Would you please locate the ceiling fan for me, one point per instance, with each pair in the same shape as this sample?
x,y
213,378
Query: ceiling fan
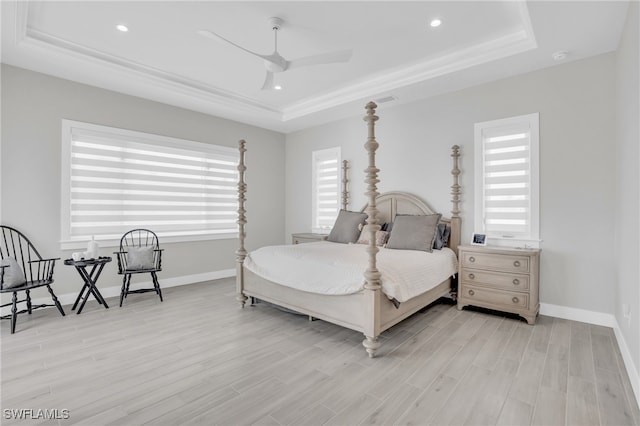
x,y
275,62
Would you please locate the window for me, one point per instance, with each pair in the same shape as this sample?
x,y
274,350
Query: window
x,y
115,180
325,188
506,164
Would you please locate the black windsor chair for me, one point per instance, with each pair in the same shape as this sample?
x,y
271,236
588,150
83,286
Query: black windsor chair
x,y
140,253
21,270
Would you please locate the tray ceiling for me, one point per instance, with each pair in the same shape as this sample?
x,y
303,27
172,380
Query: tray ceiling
x,y
396,53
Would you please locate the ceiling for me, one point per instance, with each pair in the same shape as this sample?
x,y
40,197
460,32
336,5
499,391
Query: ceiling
x,y
396,54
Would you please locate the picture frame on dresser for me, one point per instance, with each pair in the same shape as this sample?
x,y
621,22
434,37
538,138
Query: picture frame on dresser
x,y
479,239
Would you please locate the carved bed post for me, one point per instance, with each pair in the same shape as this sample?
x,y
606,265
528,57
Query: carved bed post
x,y
241,253
372,287
345,186
454,239
455,200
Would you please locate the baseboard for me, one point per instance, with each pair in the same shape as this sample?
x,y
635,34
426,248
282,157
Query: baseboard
x,y
581,315
114,291
599,318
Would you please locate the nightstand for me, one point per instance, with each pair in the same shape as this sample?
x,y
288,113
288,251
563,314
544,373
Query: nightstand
x,y
504,279
307,238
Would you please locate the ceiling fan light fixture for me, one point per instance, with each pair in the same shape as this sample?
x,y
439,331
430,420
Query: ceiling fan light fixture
x,y
435,23
277,87
275,63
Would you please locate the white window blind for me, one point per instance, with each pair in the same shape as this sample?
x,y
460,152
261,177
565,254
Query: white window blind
x,y
325,188
116,180
507,179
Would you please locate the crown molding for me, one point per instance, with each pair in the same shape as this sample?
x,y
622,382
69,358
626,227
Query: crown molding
x,y
472,56
168,86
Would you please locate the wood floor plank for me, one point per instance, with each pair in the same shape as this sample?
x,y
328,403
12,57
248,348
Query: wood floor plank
x,y
317,415
487,408
355,412
581,363
550,408
394,406
556,368
603,353
612,402
582,403
527,381
495,346
454,413
515,413
427,404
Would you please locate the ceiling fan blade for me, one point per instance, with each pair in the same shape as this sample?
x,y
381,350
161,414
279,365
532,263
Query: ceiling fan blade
x,y
218,37
325,58
268,81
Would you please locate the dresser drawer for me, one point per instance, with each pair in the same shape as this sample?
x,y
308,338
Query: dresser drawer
x,y
496,262
498,280
497,298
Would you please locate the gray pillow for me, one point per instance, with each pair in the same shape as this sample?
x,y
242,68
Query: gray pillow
x,y
346,228
13,275
442,236
414,232
140,258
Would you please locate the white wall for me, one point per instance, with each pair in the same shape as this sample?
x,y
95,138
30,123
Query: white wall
x,y
627,207
33,105
576,102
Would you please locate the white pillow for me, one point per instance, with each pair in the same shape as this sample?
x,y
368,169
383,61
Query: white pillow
x,y
140,258
13,275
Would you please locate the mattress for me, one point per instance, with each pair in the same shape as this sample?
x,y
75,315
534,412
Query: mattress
x,y
337,269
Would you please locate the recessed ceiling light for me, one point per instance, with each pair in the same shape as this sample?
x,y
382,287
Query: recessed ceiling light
x,y
277,87
122,28
435,22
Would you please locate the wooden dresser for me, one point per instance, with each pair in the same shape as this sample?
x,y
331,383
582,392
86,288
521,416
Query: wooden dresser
x,y
307,238
504,279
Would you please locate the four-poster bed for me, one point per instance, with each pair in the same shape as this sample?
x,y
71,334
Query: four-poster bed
x,y
368,310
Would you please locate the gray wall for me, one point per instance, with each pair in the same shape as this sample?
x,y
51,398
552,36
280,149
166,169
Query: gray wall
x,y
627,230
576,102
33,105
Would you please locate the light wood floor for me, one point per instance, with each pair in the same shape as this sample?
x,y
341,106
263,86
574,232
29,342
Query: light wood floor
x,y
198,358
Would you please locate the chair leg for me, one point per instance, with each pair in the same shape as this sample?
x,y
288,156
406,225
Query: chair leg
x,y
14,312
126,292
55,300
156,284
29,306
124,287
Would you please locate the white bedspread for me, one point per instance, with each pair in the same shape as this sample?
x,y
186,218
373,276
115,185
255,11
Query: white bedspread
x,y
336,269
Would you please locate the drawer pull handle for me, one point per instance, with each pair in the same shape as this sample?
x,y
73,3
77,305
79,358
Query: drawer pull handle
x,y
516,281
471,292
471,276
472,259
516,263
515,300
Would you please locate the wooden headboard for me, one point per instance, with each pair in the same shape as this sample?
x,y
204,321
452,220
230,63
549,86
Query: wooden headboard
x,y
390,204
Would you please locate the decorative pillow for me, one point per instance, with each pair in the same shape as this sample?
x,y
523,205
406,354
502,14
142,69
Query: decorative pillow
x,y
442,236
13,275
140,258
381,238
414,232
345,230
